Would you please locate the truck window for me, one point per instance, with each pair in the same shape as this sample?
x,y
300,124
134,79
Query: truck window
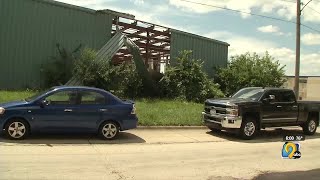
x,y
287,96
272,92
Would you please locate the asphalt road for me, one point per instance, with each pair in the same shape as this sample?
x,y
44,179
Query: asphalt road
x,y
157,154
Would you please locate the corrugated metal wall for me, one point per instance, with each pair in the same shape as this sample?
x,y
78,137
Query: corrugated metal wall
x,y
212,52
30,30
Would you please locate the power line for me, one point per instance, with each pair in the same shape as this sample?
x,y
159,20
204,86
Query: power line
x,y
304,5
239,11
313,10
307,6
254,14
311,28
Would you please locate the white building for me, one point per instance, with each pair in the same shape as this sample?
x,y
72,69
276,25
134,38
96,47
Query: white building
x,y
309,87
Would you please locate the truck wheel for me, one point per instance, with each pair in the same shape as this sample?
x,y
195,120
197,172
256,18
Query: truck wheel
x,y
248,129
310,127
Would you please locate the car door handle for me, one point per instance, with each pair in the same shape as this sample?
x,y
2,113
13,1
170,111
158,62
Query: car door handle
x,y
68,110
103,110
279,106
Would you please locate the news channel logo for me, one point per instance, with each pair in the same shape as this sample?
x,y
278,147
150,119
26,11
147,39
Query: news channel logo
x,y
291,150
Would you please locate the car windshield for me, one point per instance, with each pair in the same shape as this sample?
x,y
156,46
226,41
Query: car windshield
x,y
253,94
31,98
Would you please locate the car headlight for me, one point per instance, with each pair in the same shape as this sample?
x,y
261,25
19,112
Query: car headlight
x,y
233,110
2,110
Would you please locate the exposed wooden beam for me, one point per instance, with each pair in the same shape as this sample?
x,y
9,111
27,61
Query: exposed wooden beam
x,y
164,33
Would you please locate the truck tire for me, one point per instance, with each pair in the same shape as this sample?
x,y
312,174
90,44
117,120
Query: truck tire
x,y
310,127
248,129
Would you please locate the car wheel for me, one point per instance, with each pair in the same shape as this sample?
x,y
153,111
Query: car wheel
x,y
109,130
310,127
17,129
248,129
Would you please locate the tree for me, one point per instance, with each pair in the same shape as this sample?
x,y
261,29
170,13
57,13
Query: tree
x,y
249,70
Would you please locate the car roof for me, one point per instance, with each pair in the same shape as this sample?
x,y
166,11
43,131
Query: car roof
x,y
77,87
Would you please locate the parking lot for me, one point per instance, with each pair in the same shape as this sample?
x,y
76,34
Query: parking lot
x,y
153,154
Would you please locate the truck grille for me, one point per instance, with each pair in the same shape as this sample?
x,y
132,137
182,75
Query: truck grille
x,y
212,118
219,110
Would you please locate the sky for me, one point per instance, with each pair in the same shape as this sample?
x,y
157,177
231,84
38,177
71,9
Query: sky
x,y
244,32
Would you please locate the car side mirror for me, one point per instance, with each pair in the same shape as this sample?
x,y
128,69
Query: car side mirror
x,y
44,103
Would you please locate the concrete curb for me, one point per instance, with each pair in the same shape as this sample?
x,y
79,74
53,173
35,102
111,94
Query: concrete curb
x,y
172,127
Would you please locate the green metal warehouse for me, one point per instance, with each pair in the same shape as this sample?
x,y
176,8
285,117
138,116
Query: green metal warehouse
x,y
31,29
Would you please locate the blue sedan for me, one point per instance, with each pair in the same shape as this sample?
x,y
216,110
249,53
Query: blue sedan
x,y
68,109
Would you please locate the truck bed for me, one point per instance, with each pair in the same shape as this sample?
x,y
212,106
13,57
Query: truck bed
x,y
309,105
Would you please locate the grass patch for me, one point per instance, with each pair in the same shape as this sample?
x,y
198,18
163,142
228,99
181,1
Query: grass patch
x,y
6,96
168,113
151,112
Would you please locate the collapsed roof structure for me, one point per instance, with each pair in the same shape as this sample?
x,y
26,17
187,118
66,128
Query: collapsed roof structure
x,y
35,27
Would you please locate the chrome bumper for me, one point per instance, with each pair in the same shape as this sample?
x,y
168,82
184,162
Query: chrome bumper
x,y
226,121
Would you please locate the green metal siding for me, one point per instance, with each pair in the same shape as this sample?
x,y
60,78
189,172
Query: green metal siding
x,y
212,52
30,30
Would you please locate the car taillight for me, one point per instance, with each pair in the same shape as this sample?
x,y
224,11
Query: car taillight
x,y
133,109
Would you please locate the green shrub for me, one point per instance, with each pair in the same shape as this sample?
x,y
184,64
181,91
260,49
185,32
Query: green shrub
x,y
122,80
186,80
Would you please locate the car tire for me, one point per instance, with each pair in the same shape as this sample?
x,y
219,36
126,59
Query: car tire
x,y
310,127
109,130
17,129
248,129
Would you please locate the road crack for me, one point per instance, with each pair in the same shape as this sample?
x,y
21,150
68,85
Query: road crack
x,y
107,166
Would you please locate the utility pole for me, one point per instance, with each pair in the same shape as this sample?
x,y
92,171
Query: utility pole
x,y
297,73
297,70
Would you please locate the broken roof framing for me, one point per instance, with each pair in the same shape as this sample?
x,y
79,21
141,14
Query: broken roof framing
x,y
51,22
153,41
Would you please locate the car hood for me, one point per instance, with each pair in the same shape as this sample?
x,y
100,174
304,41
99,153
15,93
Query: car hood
x,y
13,104
228,101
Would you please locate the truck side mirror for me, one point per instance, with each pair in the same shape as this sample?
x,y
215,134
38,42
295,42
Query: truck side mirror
x,y
272,97
269,99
